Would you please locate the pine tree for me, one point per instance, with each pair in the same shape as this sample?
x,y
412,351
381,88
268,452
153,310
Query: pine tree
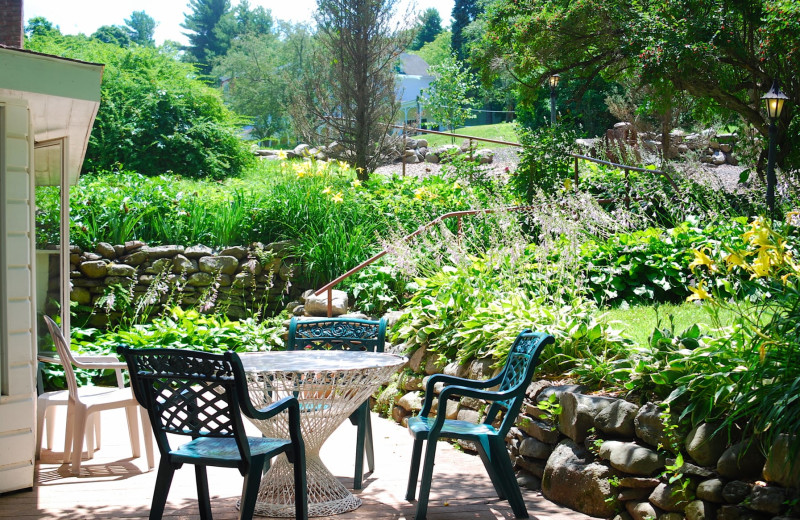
x,y
204,40
464,13
431,23
141,27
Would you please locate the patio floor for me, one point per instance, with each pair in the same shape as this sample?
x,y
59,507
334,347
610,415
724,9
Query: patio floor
x,y
114,487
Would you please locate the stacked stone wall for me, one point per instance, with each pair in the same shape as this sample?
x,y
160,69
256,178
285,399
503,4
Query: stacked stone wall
x,y
237,280
610,458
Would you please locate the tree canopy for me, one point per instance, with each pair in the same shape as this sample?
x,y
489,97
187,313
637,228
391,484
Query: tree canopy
x,y
430,26
205,41
727,53
141,27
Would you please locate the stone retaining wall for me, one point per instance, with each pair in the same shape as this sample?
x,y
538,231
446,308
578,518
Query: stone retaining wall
x,y
236,279
607,457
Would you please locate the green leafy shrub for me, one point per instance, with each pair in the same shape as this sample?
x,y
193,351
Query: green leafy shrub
x,y
155,115
545,163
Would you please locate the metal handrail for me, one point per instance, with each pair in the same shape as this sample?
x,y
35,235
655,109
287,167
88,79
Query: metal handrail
x,y
459,214
454,214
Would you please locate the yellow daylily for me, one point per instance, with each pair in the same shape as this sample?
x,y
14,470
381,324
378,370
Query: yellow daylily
x,y
343,165
327,190
338,197
419,193
356,183
282,155
456,186
701,258
736,259
698,293
761,266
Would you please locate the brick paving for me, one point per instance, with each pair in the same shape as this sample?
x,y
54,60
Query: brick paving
x,y
113,485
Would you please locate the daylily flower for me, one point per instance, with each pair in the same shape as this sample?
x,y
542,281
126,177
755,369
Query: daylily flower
x,y
698,293
282,155
327,190
701,258
356,183
338,197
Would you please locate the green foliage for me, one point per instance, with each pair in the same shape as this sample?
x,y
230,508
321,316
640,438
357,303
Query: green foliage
x,y
154,115
430,25
544,161
113,34
464,13
205,41
141,27
448,101
436,51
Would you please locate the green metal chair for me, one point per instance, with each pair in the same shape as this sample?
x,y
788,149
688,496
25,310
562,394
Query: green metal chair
x,y
344,334
203,395
511,384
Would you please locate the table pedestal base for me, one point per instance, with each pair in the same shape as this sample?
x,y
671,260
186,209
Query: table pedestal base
x,y
326,495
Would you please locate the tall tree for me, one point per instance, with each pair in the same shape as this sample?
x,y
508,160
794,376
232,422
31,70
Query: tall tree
x,y
141,27
348,90
205,42
448,100
40,26
430,26
113,34
464,13
727,53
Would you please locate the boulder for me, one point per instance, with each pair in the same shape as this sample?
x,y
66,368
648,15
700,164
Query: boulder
x,y
533,466
641,510
699,510
198,251
573,479
638,482
768,499
705,444
120,270
780,468
200,280
106,250
163,251
742,460
729,512
631,458
534,448
182,264
735,491
218,264
238,252
528,481
578,413
711,491
539,429
94,269
318,305
648,424
670,497
617,419
410,402
81,295
133,245
135,258
718,157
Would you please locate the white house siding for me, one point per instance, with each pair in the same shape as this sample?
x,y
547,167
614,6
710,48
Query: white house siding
x,y
17,311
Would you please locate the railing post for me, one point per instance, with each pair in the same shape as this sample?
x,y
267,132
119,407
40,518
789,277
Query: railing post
x,y
627,189
403,153
330,302
576,174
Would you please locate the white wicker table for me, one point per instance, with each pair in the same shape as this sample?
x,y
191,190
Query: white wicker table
x,y
330,386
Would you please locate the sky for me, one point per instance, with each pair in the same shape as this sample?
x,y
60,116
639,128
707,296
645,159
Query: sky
x,y
85,16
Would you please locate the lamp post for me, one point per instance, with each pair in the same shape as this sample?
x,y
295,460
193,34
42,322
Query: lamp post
x,y
553,84
774,100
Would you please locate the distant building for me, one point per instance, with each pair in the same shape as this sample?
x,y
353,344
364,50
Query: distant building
x,y
412,78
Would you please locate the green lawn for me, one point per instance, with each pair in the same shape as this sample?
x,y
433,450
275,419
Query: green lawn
x,y
499,132
637,323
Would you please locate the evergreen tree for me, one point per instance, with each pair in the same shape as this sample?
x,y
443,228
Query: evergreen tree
x,y
141,27
431,26
464,13
205,40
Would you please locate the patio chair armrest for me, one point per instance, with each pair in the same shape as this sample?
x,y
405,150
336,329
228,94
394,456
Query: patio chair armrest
x,y
261,414
460,381
450,392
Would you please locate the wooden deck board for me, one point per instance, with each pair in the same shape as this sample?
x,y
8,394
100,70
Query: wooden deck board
x,y
113,485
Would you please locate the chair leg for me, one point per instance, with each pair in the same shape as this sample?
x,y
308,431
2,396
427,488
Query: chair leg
x,y
358,475
68,431
163,482
97,432
368,440
425,482
252,480
505,471
147,436
41,410
203,498
91,422
50,424
300,485
485,452
78,435
413,473
133,429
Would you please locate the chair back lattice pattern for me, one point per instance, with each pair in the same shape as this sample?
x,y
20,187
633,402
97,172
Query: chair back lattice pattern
x,y
187,393
337,334
517,373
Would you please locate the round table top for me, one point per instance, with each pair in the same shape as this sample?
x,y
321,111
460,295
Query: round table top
x,y
302,361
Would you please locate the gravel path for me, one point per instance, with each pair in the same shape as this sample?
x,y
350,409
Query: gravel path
x,y
505,160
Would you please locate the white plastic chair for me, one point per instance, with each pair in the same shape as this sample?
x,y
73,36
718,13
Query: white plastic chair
x,y
82,403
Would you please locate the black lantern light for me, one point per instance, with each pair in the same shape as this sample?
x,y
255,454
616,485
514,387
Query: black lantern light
x,y
774,100
553,84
